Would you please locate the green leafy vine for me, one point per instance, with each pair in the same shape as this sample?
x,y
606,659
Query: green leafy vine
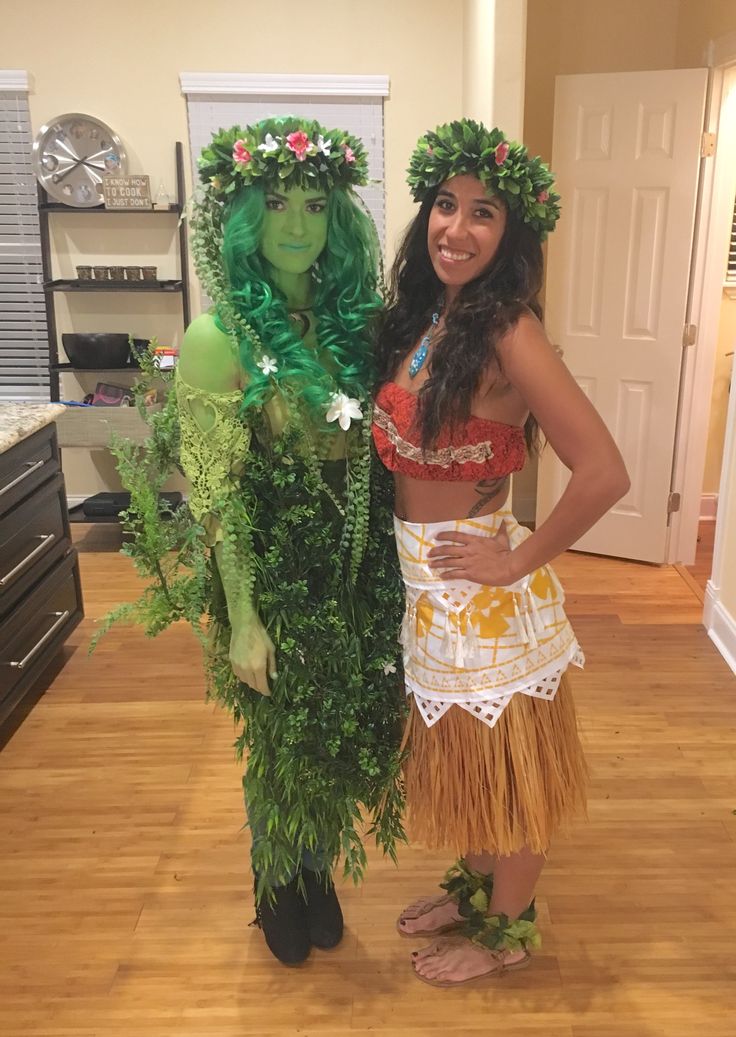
x,y
323,751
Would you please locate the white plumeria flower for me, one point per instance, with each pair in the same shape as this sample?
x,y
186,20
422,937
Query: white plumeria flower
x,y
323,145
344,409
269,144
268,365
389,668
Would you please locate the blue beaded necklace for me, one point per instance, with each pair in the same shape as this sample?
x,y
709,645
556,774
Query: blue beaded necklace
x,y
417,361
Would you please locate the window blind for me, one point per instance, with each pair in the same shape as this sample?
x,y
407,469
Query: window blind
x,y
24,349
361,115
731,270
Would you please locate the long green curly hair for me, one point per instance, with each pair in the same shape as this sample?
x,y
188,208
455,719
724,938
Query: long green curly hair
x,y
345,303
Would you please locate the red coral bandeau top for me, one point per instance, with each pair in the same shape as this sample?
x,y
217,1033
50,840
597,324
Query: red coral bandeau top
x,y
473,450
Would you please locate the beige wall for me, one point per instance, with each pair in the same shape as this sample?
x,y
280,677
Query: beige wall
x,y
566,37
699,22
477,71
719,401
126,71
121,62
727,522
493,63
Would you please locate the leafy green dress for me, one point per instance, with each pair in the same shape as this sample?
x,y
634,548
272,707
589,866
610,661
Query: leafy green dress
x,y
322,752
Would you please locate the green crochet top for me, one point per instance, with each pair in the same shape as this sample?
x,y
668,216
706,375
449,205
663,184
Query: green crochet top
x,y
213,462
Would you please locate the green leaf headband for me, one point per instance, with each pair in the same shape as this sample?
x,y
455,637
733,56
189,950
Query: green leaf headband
x,y
289,152
502,166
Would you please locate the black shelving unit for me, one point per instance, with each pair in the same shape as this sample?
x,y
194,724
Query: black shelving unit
x,y
61,285
51,285
60,207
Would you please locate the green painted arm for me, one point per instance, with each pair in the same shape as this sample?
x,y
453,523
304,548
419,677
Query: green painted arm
x,y
214,442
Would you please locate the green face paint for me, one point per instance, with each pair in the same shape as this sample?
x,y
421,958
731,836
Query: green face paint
x,y
294,229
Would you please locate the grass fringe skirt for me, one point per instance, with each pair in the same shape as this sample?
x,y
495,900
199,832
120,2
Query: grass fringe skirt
x,y
470,787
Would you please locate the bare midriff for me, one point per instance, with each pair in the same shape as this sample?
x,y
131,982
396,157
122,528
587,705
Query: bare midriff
x,y
419,500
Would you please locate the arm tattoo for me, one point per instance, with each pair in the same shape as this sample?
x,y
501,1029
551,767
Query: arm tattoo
x,y
487,489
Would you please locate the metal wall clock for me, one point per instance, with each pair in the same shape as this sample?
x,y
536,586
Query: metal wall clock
x,y
72,153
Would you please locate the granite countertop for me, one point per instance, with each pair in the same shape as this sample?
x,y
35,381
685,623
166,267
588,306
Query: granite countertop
x,y
20,420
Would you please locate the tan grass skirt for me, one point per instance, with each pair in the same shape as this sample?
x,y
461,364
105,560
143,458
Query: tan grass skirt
x,y
471,787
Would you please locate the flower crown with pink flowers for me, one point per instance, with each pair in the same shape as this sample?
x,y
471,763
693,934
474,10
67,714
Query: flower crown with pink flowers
x,y
288,151
501,165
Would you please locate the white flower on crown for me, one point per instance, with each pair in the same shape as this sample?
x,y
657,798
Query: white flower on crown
x,y
267,364
323,146
389,668
269,144
343,409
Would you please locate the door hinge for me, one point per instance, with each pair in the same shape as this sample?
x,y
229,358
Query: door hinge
x,y
673,503
689,334
708,145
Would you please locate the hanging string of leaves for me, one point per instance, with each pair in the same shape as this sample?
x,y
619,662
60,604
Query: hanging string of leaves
x,y
323,751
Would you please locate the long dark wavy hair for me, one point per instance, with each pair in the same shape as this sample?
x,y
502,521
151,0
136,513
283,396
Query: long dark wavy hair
x,y
483,311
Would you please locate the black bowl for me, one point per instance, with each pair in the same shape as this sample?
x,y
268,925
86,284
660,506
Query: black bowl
x,y
101,350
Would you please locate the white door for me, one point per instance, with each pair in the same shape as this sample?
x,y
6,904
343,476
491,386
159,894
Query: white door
x,y
626,151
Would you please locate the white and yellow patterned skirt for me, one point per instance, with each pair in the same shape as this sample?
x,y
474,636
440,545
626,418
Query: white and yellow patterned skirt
x,y
495,761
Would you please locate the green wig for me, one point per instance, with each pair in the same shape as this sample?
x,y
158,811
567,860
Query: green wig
x,y
226,247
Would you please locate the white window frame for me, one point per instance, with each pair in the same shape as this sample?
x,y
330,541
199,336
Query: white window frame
x,y
24,346
251,96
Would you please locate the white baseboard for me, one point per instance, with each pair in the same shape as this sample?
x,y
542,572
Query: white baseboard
x,y
708,506
721,626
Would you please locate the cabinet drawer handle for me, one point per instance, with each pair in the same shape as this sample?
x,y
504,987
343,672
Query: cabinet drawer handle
x,y
46,540
62,618
32,467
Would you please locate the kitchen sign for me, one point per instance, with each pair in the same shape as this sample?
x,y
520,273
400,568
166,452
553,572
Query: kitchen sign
x,y
126,192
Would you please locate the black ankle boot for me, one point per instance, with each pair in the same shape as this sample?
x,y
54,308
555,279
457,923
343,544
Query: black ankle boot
x,y
282,916
324,916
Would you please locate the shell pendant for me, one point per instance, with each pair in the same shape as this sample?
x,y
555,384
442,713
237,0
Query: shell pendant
x,y
417,361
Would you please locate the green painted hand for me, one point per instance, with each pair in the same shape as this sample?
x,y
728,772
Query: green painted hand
x,y
252,654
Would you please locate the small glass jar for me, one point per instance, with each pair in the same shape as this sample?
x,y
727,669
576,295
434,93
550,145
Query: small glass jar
x,y
101,273
117,273
150,273
132,273
84,273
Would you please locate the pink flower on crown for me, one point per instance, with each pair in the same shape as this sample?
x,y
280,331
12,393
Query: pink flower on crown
x,y
349,153
298,142
241,155
502,151
542,197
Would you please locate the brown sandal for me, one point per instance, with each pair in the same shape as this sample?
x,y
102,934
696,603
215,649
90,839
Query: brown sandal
x,y
500,968
421,907
462,885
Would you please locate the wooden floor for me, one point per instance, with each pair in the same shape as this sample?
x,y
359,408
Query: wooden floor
x,y
124,879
